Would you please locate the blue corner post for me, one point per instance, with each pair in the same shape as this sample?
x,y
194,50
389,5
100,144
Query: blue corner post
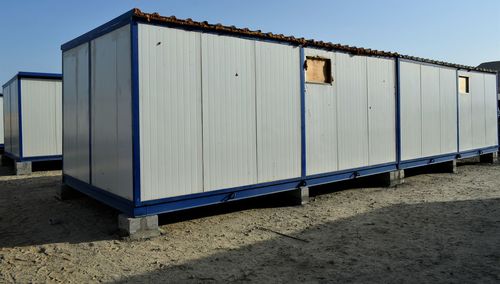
x,y
398,112
303,116
134,41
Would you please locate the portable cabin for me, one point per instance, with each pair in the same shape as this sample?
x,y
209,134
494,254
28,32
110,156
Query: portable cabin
x,y
493,65
32,119
162,114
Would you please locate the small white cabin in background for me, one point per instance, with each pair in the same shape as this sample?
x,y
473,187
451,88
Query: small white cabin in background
x,y
32,113
492,65
162,114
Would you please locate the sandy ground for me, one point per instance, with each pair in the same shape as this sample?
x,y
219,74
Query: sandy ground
x,y
435,228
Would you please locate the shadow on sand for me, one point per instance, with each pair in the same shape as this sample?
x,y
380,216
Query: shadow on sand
x,y
429,242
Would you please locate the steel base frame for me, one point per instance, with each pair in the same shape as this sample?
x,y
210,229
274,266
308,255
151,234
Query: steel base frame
x,y
33,159
190,201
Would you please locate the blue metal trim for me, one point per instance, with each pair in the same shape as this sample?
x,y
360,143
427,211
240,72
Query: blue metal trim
x,y
114,24
196,201
105,197
33,75
20,119
33,159
303,114
477,152
12,156
39,75
350,174
398,111
427,160
136,154
10,81
2,146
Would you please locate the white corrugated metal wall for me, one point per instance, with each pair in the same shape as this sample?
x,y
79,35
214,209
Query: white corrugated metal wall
x,y
381,110
41,109
11,118
232,104
170,112
278,111
491,111
111,116
478,112
2,140
229,112
428,110
6,118
76,112
351,122
321,121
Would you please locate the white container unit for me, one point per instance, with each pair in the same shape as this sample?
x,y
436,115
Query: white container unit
x,y
438,122
428,114
32,113
477,112
162,114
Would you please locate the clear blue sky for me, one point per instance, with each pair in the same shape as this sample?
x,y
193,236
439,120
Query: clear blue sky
x,y
459,31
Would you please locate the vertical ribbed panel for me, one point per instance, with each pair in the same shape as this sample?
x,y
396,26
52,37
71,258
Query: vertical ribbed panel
x,y
381,110
321,121
278,111
431,128
352,111
13,116
448,115
411,111
41,117
2,140
465,108
477,110
6,119
490,109
76,112
229,121
111,112
170,112
428,110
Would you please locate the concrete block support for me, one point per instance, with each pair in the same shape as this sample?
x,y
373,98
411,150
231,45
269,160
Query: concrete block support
x,y
488,158
392,179
22,168
138,228
299,196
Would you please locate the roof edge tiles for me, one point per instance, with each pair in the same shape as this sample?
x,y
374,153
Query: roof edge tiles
x,y
189,24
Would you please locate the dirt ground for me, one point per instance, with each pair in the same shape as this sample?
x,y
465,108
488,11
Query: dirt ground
x,y
437,227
